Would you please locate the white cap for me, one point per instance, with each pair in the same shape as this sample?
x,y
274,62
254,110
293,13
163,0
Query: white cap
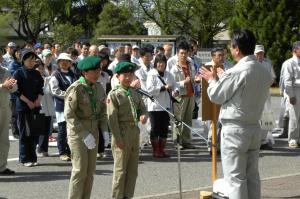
x,y
101,47
135,47
259,48
64,56
46,52
12,45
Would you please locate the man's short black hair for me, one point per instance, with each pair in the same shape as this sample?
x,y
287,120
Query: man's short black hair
x,y
159,48
128,44
145,50
245,40
216,49
86,44
183,45
125,57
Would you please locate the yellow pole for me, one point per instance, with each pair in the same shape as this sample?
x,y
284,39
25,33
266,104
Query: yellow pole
x,y
214,142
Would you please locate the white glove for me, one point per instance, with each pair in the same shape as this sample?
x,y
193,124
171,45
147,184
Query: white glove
x,y
106,138
90,141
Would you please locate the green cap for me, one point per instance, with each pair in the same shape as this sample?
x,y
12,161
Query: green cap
x,y
125,67
89,63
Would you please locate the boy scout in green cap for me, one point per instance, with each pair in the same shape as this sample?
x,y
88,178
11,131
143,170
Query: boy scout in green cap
x,y
85,112
125,108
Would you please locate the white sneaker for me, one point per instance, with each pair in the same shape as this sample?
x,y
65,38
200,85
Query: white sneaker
x,y
293,144
28,164
35,164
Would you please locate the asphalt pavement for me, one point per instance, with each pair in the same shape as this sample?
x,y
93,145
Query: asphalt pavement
x,y
158,178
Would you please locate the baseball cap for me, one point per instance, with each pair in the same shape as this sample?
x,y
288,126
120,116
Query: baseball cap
x,y
101,47
259,48
135,47
38,45
12,45
46,52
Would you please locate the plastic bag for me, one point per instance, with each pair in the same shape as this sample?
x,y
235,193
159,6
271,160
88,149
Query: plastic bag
x,y
144,133
267,120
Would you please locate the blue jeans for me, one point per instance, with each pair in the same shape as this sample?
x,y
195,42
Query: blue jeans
x,y
62,141
27,142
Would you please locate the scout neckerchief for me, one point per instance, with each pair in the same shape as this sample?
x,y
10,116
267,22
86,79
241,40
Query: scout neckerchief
x,y
132,105
92,94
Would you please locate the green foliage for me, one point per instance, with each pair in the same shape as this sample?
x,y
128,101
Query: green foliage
x,y
116,20
27,18
65,34
275,24
82,12
197,19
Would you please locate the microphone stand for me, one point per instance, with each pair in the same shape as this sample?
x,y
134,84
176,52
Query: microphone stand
x,y
177,123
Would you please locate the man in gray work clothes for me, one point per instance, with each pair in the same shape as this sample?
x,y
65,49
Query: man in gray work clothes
x,y
242,92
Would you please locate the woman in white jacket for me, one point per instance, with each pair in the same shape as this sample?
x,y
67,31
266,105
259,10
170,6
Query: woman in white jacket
x,y
159,84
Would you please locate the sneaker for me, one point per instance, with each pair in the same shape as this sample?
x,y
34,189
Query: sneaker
x,y
35,164
64,158
293,144
101,156
42,154
28,164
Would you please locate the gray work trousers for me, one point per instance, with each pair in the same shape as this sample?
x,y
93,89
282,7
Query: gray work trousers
x,y
240,153
294,122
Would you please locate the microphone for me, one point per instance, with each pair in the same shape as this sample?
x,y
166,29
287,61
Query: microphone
x,y
143,92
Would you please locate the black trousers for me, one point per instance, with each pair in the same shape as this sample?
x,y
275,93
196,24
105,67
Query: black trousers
x,y
44,139
101,146
27,141
160,121
14,123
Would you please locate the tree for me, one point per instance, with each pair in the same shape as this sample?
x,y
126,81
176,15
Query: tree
x,y
82,12
117,20
200,20
275,24
65,34
26,17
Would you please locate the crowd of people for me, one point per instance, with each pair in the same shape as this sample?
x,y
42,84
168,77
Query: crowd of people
x,y
89,91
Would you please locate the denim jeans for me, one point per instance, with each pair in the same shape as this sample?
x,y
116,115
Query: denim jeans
x,y
62,142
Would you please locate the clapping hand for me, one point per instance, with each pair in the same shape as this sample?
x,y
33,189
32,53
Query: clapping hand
x,y
208,74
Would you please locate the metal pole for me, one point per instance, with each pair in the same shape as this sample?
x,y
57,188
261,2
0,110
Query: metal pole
x,y
179,167
178,123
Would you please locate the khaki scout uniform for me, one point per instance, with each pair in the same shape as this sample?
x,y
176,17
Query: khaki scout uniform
x,y
123,116
83,117
5,115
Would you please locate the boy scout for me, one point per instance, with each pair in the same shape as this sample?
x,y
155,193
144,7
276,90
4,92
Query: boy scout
x,y
124,108
85,111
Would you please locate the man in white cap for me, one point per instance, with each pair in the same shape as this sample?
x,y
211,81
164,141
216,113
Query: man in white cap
x,y
291,79
135,54
259,53
104,49
8,59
